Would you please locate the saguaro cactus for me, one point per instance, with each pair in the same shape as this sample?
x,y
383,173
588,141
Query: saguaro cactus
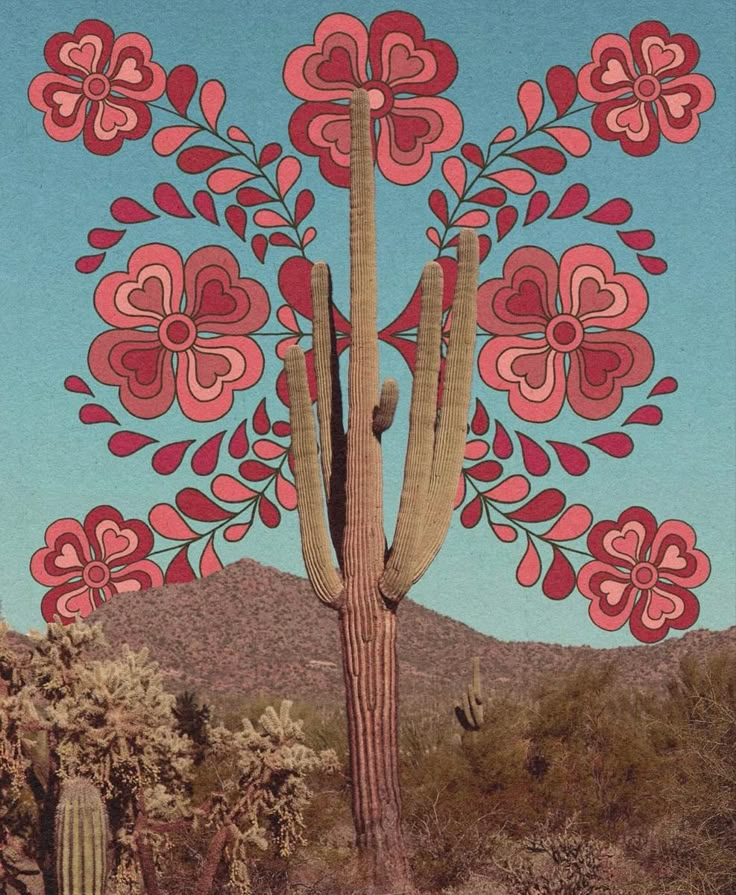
x,y
469,711
81,840
368,582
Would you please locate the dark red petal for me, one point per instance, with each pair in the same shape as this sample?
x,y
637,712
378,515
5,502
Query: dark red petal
x,y
559,582
573,201
535,459
473,154
664,387
180,86
259,244
180,570
641,240
487,471
195,504
542,507
204,459
503,447
480,422
652,264
169,199
249,195
238,445
562,87
505,220
205,205
269,513
471,514
648,415
615,212
538,204
123,444
95,413
261,421
438,205
615,444
236,220
127,211
197,159
543,159
255,471
102,238
269,154
303,206
572,459
89,263
78,385
168,458
492,196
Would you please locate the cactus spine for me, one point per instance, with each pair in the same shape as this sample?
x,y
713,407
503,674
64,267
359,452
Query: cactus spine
x,y
81,840
370,581
469,711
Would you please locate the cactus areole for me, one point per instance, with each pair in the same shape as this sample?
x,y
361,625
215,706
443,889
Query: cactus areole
x,y
364,581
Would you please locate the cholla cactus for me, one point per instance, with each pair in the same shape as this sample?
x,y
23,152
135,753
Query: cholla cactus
x,y
81,839
469,711
370,583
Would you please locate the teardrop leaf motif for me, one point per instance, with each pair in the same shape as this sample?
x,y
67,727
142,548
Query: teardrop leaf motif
x,y
123,444
180,570
574,522
195,504
209,561
471,514
559,582
204,459
168,458
531,101
535,459
530,567
211,101
572,459
167,521
542,507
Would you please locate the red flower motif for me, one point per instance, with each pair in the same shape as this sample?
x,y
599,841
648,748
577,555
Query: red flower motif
x,y
566,358
151,367
641,574
87,565
402,61
644,87
99,85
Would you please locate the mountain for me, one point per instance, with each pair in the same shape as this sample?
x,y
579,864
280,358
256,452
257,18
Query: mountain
x,y
252,629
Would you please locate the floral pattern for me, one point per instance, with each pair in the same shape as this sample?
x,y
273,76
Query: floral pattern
x,y
98,86
565,357
161,309
645,87
392,59
642,573
86,565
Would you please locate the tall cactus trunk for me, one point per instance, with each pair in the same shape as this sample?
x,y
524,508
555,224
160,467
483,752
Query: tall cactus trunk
x,y
370,582
371,690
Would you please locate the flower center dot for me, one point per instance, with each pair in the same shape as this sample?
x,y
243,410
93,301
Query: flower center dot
x,y
96,574
177,332
96,87
644,575
647,88
564,332
380,98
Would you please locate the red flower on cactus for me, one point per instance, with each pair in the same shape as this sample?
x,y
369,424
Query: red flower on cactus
x,y
565,357
642,573
88,564
161,308
392,59
98,85
644,87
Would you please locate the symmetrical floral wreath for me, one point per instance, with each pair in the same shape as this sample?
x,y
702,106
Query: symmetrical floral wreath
x,y
554,330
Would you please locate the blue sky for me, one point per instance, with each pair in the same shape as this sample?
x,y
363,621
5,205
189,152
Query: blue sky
x,y
53,194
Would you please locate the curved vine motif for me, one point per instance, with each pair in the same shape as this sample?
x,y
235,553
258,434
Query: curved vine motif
x,y
558,330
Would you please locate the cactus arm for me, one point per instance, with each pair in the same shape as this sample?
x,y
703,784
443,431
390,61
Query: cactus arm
x,y
315,541
399,572
364,538
451,432
383,413
469,710
329,403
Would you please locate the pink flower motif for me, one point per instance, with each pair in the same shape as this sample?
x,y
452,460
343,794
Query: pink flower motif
x,y
88,564
644,87
641,574
566,358
174,359
410,128
98,85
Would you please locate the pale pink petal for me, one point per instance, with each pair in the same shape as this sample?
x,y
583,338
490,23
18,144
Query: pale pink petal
x,y
67,552
591,290
673,552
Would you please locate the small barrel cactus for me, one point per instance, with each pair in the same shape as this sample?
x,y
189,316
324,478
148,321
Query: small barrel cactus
x,y
469,711
81,839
